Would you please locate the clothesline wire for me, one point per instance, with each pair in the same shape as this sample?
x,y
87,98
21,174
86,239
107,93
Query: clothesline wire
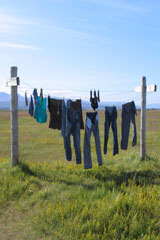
x,y
69,90
27,84
73,90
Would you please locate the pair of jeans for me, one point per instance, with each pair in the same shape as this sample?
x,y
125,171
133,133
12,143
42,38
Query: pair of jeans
x,y
128,115
71,123
111,120
91,125
31,107
35,94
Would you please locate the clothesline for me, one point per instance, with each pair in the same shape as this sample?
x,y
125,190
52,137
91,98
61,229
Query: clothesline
x,y
73,90
105,98
67,117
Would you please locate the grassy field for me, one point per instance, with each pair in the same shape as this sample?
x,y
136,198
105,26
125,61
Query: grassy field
x,y
46,197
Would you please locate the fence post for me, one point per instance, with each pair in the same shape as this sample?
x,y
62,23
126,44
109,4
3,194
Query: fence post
x,y
14,120
143,121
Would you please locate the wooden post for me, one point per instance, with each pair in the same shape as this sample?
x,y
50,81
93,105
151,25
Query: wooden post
x,y
143,89
14,120
143,120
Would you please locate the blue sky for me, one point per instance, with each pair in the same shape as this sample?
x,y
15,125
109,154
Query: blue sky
x,y
74,46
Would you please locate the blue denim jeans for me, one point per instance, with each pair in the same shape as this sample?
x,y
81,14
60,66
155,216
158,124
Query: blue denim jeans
x,y
128,115
110,120
91,125
71,123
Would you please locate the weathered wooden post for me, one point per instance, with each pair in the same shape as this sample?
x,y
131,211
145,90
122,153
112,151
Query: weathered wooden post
x,y
143,89
143,120
13,82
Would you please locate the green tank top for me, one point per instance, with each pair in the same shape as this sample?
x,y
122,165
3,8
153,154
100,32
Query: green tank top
x,y
40,113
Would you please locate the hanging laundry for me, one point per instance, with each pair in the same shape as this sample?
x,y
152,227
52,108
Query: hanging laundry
x,y
26,99
41,95
77,105
40,113
35,94
91,125
31,107
71,124
94,100
98,96
111,120
128,115
55,109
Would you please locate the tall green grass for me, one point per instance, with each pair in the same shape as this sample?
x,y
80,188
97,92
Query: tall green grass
x,y
46,197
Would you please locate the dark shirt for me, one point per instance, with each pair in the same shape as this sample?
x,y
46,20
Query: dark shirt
x,y
55,109
78,106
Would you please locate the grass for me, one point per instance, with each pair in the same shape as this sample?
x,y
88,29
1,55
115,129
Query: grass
x,y
46,197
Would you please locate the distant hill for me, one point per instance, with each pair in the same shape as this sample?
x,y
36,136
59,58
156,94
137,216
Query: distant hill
x,y
153,106
5,99
86,105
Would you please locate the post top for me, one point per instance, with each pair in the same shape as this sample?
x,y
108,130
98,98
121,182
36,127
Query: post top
x,y
14,71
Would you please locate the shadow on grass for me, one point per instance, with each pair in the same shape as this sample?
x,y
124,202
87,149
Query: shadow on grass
x,y
91,179
145,177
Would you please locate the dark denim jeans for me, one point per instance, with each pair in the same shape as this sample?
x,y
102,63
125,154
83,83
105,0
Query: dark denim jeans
x,y
31,107
91,125
128,115
71,123
110,120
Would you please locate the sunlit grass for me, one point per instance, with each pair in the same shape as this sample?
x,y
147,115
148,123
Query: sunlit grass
x,y
46,197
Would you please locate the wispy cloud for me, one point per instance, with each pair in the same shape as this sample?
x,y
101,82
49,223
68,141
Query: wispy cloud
x,y
12,25
8,23
19,46
63,29
14,20
120,5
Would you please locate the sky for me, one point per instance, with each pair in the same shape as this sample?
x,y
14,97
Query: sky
x,y
68,47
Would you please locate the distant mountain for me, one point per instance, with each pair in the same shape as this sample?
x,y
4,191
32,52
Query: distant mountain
x,y
153,106
5,99
86,105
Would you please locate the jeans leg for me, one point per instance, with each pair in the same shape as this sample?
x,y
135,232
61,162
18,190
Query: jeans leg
x,y
76,139
106,133
63,119
87,148
68,150
134,131
115,137
125,126
98,143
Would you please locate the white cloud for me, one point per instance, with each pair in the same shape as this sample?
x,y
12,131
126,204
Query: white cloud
x,y
19,46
